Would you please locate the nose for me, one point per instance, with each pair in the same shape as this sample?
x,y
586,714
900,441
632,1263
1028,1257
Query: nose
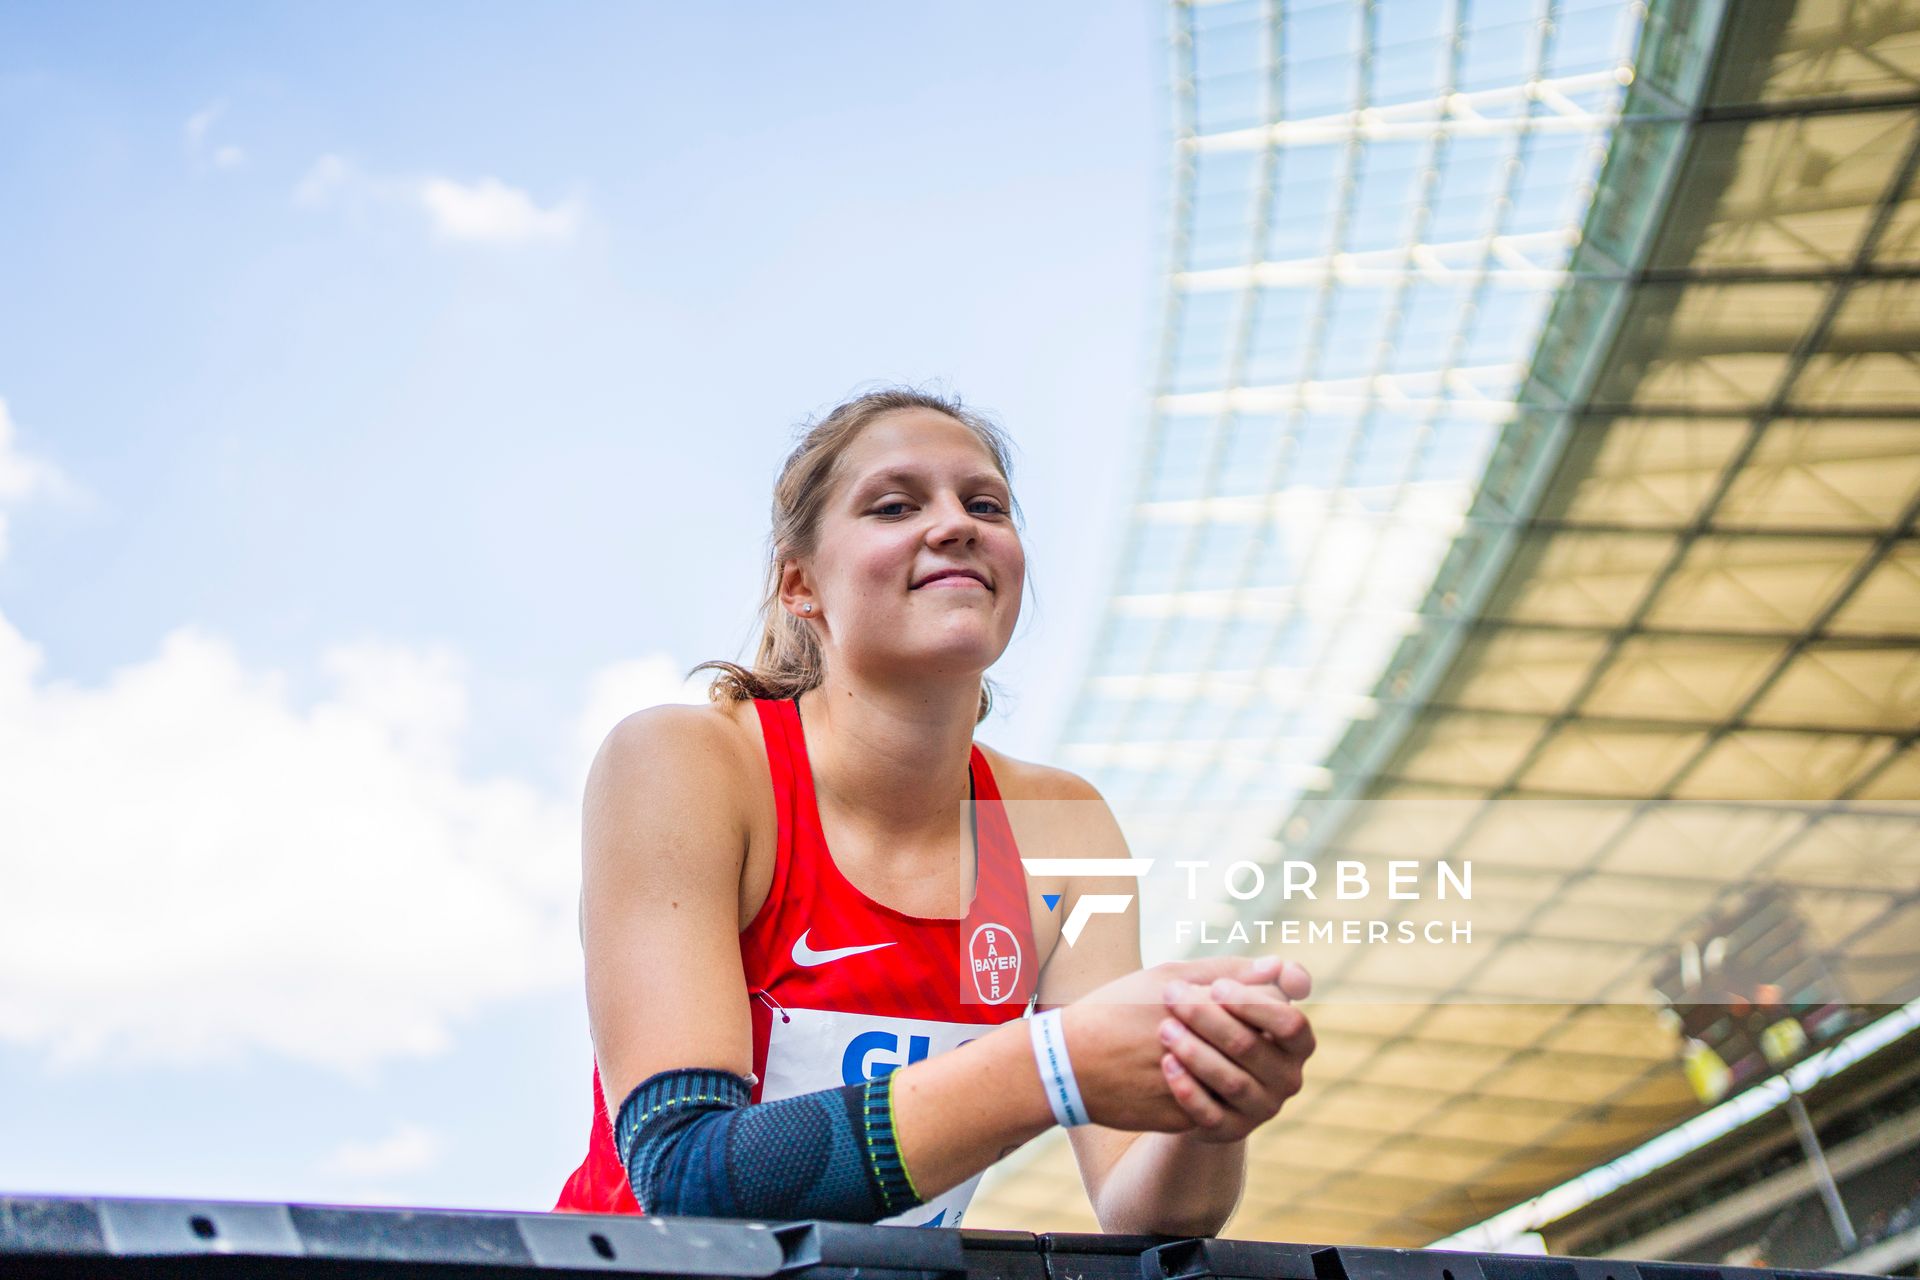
x,y
952,523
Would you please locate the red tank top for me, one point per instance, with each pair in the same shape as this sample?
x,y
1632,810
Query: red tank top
x,y
845,989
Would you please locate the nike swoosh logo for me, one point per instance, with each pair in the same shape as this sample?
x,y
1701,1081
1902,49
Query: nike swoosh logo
x,y
808,957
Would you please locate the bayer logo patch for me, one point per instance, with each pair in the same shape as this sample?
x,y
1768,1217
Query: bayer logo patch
x,y
993,956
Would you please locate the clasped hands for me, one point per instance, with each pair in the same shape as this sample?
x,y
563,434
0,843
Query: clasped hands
x,y
1210,1048
1235,1048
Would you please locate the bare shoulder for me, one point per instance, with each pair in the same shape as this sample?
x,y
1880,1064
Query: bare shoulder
x,y
1073,819
681,736
1072,824
1025,780
664,837
679,759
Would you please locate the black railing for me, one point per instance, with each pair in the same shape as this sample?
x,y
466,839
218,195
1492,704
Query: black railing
x,y
65,1238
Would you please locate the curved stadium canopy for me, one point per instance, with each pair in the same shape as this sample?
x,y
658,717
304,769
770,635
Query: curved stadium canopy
x,y
1530,481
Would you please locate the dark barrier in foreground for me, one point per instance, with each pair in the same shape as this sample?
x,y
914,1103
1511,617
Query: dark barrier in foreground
x,y
64,1238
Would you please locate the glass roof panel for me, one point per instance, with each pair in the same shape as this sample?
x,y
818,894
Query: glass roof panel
x,y
1675,477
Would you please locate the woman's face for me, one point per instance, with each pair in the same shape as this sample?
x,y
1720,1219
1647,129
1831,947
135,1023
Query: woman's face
x,y
918,569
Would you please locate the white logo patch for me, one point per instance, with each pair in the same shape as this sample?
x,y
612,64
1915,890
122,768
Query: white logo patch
x,y
806,957
993,955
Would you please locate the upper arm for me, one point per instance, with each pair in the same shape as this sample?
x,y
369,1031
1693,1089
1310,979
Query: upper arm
x,y
663,842
1079,824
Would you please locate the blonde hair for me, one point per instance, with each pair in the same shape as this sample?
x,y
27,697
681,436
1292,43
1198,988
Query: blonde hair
x,y
790,661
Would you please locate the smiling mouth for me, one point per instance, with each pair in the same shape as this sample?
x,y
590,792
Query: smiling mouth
x,y
954,580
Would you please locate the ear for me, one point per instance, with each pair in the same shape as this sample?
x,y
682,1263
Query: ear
x,y
796,591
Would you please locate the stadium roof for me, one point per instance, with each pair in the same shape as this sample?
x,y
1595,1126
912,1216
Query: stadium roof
x,y
1654,641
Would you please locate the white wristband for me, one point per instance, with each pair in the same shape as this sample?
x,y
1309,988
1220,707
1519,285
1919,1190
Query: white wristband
x,y
1056,1070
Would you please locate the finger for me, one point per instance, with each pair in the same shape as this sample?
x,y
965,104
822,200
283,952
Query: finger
x,y
1265,969
1299,1044
1280,1072
1247,1045
1238,1088
1290,976
1207,968
1201,1107
1261,1006
1284,1023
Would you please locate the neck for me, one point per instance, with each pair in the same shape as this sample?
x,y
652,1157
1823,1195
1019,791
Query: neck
x,y
894,757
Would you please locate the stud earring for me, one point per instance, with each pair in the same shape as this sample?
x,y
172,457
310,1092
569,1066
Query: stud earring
x,y
806,608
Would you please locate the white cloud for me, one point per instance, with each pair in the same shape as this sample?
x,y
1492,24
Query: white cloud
x,y
485,212
196,130
323,178
491,212
408,1149
195,868
202,120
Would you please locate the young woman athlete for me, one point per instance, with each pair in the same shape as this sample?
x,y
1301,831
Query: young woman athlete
x,y
807,974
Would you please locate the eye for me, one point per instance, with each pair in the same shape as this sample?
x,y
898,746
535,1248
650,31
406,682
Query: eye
x,y
895,507
993,508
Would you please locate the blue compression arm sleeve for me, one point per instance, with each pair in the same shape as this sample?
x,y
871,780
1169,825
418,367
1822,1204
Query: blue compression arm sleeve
x,y
693,1145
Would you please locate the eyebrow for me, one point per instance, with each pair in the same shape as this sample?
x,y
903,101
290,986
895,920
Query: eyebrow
x,y
898,475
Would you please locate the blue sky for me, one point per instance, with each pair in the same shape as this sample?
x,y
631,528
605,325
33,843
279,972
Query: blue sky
x,y
389,399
